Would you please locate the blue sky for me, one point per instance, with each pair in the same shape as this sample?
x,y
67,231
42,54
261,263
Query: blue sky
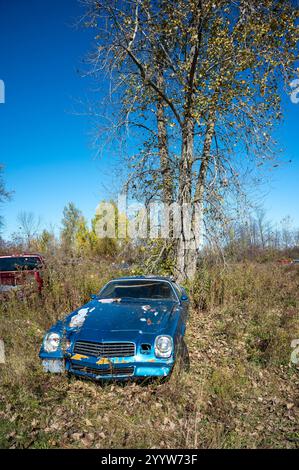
x,y
45,146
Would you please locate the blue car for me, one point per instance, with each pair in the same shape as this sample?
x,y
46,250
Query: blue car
x,y
133,329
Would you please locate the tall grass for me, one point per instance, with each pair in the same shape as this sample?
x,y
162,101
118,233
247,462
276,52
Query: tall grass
x,y
240,392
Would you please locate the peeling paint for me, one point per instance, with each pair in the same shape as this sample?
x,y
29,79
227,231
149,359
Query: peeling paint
x,y
149,321
78,319
108,301
146,307
142,319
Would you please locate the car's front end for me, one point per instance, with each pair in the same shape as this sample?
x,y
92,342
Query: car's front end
x,y
142,355
116,339
120,359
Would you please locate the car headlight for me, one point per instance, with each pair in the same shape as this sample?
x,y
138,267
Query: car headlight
x,y
163,346
51,342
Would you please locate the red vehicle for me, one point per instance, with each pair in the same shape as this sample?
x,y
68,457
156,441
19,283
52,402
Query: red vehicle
x,y
285,261
18,270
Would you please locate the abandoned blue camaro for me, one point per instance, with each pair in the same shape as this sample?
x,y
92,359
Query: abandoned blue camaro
x,y
134,328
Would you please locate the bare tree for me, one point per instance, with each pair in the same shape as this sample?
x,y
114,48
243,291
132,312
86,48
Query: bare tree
x,y
286,232
201,75
29,226
4,194
71,221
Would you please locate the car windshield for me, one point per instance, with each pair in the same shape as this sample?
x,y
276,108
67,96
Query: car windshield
x,y
138,289
19,263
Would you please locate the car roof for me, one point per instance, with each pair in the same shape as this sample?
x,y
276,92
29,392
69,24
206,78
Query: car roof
x,y
145,277
22,255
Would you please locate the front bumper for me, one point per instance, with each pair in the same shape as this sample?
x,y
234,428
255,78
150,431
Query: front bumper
x,y
113,368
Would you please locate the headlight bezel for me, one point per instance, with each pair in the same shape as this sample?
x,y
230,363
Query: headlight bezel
x,y
52,341
166,354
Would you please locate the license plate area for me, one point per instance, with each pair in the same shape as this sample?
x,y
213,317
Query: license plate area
x,y
55,366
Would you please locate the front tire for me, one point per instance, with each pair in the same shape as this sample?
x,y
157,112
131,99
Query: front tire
x,y
184,358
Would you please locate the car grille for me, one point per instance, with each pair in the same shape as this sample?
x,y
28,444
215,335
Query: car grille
x,y
108,371
90,348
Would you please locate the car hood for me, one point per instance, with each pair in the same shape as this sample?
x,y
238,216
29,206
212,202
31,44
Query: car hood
x,y
126,317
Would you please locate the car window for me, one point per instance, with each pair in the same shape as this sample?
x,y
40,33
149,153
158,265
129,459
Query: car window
x,y
138,289
20,263
177,289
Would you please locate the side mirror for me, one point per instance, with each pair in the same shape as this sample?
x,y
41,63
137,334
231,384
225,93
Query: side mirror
x,y
184,298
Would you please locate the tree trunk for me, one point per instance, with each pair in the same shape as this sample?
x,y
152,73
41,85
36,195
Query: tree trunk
x,y
163,142
206,154
165,164
198,202
190,240
185,259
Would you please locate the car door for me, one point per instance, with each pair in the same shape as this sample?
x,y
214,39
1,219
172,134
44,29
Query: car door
x,y
184,306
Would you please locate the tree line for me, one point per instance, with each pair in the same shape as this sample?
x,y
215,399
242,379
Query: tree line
x,y
255,237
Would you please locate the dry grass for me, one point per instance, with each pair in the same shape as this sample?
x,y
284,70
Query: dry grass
x,y
240,392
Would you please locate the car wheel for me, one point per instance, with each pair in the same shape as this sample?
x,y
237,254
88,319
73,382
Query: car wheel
x,y
184,358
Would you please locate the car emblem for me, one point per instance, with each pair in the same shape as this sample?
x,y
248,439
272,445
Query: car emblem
x,y
104,361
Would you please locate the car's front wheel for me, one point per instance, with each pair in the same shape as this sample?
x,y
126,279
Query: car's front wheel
x,y
184,358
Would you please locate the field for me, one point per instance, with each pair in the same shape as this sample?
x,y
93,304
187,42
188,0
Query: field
x,y
241,390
